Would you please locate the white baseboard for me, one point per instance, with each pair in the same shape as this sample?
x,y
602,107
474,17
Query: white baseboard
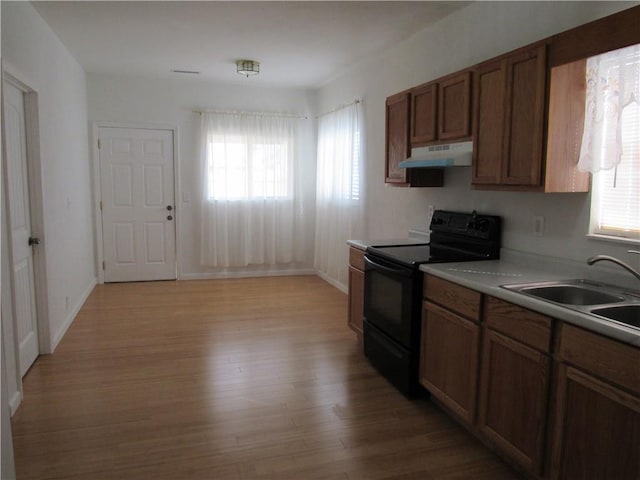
x,y
340,286
14,402
72,314
247,274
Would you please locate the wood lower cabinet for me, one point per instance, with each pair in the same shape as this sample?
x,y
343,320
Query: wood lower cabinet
x,y
558,401
514,383
449,359
450,345
356,290
597,430
597,419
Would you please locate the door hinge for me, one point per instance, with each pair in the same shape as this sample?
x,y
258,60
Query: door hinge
x,y
103,265
98,144
100,205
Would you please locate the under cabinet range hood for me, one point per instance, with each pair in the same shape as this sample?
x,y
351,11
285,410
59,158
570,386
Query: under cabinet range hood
x,y
448,155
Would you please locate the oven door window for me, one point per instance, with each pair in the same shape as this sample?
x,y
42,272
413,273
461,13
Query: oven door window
x,y
387,300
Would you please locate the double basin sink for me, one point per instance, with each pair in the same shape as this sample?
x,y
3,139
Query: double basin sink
x,y
606,302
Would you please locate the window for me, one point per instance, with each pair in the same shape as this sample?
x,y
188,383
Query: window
x,y
251,202
611,142
339,213
239,169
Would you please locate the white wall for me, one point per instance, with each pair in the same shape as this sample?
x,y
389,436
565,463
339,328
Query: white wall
x,y
33,54
471,35
162,102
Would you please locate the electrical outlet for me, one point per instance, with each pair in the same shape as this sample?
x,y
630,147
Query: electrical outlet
x,y
538,225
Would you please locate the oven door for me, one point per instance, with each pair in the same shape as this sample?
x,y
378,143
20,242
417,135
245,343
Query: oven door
x,y
392,296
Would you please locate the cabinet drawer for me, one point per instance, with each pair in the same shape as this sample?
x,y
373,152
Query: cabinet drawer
x,y
459,299
603,357
528,327
356,258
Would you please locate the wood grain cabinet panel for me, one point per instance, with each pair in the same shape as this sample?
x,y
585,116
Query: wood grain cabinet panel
x,y
454,107
597,431
513,398
424,103
514,383
397,145
356,290
398,148
452,296
449,359
441,110
509,119
488,127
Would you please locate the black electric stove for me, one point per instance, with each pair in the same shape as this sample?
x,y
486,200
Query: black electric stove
x,y
393,289
455,237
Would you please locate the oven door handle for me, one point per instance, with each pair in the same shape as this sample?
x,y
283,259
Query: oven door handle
x,y
398,272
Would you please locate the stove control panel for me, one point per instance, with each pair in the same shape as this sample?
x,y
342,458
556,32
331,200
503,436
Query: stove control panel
x,y
486,227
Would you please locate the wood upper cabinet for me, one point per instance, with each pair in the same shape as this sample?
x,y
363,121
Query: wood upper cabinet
x,y
514,383
454,107
398,148
597,419
441,110
424,114
509,110
356,290
397,138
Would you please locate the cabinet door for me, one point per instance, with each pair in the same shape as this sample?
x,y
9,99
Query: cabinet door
x,y
397,137
597,431
449,359
423,114
356,299
488,125
525,108
513,398
454,107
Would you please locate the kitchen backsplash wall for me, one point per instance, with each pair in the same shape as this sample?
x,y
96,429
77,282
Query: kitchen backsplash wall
x,y
471,35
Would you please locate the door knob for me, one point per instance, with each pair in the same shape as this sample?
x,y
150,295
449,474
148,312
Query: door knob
x,y
34,241
169,217
169,207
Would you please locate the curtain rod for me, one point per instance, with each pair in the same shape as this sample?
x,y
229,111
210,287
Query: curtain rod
x,y
264,114
355,102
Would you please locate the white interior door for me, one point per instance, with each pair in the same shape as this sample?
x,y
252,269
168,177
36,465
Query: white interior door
x,y
138,209
17,195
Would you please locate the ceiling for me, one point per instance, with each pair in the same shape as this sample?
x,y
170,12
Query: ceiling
x,y
299,44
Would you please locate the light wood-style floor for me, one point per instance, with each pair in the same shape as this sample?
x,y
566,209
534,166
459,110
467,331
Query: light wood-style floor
x,y
228,379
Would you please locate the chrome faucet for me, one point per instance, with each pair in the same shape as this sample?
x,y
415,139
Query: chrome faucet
x,y
629,268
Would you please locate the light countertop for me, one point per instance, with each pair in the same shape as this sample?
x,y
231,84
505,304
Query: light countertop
x,y
513,268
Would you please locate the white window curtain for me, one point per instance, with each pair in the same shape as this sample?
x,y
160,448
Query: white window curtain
x,y
611,142
613,85
251,209
339,212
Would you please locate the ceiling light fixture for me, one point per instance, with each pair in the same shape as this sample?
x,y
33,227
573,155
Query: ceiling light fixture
x,y
248,67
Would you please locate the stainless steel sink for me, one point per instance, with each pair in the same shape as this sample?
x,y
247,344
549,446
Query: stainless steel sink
x,y
627,314
607,302
572,294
